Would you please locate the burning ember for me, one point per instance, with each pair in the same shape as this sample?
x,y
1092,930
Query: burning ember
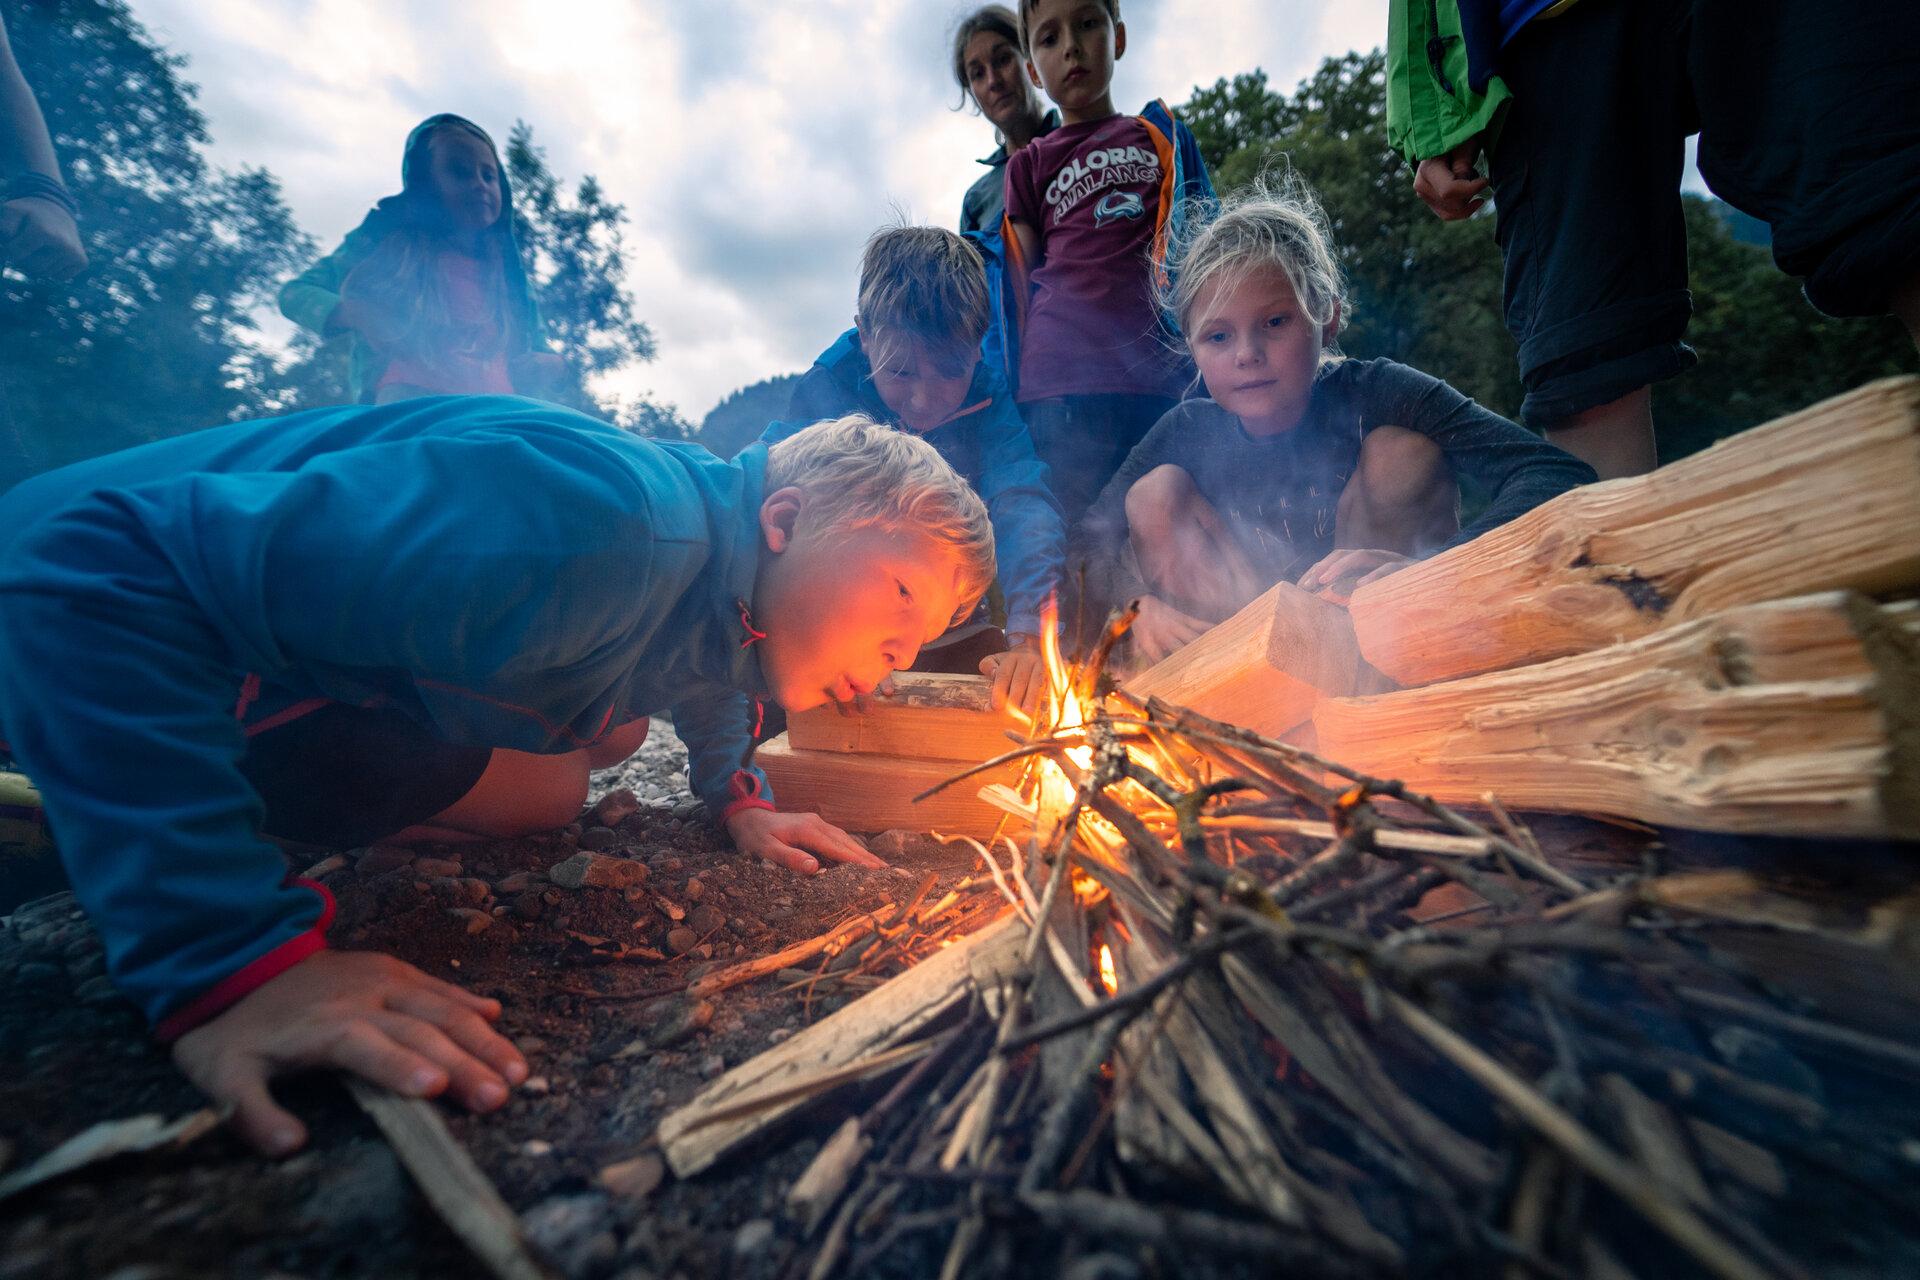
x,y
1246,1011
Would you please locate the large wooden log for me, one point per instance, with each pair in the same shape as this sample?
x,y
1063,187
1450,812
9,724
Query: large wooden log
x,y
875,793
928,715
1266,666
1790,717
1827,498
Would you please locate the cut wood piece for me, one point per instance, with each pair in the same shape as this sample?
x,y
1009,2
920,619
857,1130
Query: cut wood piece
x,y
875,793
1794,717
929,715
1265,667
452,1183
1820,500
888,1017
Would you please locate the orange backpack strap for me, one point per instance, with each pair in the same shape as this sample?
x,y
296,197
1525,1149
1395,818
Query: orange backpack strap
x,y
1020,278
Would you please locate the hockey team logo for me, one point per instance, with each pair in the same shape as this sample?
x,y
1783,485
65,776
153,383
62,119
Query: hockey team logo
x,y
1116,205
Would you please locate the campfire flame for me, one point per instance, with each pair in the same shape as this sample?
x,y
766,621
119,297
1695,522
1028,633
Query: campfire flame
x,y
1108,978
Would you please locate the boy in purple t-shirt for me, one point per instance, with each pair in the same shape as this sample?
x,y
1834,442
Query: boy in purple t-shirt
x,y
1087,210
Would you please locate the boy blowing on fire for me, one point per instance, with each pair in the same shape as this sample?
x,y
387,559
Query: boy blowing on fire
x,y
423,620
912,360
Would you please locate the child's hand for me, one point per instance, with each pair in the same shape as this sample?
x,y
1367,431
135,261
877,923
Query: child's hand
x,y
1161,628
1448,183
1019,676
40,239
785,838
359,1011
862,702
1340,574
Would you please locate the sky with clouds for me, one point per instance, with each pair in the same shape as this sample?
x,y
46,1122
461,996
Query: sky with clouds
x,y
755,143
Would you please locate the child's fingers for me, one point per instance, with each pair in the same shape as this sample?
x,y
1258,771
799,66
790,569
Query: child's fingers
x,y
486,1006
792,859
239,1080
821,836
465,1028
469,1079
365,1050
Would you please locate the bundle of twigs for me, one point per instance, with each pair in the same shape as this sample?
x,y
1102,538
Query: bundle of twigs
x,y
1292,1073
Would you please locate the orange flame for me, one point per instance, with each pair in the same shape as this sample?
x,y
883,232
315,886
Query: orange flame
x,y
1108,978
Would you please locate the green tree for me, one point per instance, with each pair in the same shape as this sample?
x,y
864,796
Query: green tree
x,y
739,420
1232,115
157,336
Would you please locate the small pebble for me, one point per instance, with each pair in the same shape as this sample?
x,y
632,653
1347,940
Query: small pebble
x,y
752,1237
704,951
614,808
476,921
634,1179
695,889
529,906
434,867
382,858
680,941
778,1034
536,1085
535,1147
712,1065
518,882
597,838
706,919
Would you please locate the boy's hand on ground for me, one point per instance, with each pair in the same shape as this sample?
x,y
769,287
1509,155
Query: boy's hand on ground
x,y
1339,575
39,239
359,1011
1019,676
1161,628
787,838
1448,183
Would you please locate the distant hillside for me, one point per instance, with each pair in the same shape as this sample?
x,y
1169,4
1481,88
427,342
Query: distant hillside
x,y
737,421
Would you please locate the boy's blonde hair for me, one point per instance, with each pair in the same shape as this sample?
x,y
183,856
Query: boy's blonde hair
x,y
1028,6
925,283
1276,222
859,474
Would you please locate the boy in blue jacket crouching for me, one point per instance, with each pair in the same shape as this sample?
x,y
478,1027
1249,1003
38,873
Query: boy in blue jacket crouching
x,y
439,614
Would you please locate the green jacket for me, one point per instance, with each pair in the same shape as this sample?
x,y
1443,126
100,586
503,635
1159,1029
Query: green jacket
x,y
1431,108
309,298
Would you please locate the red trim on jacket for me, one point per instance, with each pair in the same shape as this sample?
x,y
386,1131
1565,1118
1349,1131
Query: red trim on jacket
x,y
744,787
746,620
249,692
293,712
228,991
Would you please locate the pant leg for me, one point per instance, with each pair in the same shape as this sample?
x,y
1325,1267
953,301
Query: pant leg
x,y
1586,174
1810,121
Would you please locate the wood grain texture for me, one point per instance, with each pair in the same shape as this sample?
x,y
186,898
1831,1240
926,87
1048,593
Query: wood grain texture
x,y
930,715
889,1016
1790,717
1821,500
1266,666
875,793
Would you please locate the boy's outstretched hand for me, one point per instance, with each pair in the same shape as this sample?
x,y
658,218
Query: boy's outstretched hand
x,y
1019,676
359,1011
785,838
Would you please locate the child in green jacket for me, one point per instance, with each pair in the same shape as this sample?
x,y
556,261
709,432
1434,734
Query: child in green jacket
x,y
431,284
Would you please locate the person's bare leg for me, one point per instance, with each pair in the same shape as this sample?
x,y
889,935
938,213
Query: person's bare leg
x,y
1905,303
1185,547
1615,439
617,745
518,793
1402,496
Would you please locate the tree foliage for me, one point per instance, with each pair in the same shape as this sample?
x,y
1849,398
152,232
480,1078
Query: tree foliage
x,y
156,337
742,417
1428,293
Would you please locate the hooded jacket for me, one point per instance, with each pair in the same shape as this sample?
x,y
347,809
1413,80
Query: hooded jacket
x,y
310,298
505,572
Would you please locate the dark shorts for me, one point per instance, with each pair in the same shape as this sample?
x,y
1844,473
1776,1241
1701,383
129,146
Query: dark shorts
x,y
1084,439
1808,120
344,776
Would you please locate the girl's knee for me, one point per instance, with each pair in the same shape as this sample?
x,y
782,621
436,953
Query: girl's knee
x,y
1159,499
617,745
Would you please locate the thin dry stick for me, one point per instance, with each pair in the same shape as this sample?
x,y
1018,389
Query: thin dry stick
x,y
1620,1175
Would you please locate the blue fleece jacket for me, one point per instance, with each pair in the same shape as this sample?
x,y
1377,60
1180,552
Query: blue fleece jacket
x,y
986,442
506,572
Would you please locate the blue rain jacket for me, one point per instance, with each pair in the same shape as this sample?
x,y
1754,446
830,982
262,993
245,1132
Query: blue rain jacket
x,y
507,572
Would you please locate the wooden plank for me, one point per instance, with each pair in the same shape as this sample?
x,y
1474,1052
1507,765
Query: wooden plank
x,y
929,716
1266,666
887,1018
875,793
452,1183
1793,717
1821,500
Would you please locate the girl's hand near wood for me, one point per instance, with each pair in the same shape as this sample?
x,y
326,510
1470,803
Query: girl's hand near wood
x,y
1337,576
358,1011
1161,628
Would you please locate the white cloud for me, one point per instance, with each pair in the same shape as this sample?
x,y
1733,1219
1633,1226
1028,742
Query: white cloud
x,y
755,143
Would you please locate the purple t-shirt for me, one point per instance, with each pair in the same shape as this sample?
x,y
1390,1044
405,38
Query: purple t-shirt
x,y
1092,194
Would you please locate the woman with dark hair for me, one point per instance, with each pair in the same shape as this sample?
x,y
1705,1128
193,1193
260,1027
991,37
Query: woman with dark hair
x,y
431,283
992,73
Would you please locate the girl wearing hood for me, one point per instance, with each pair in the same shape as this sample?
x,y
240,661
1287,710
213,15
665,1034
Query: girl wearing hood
x,y
431,283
